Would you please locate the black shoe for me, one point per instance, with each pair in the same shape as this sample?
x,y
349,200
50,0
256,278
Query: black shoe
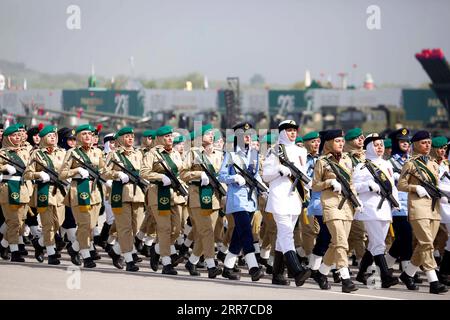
x,y
192,268
22,250
176,259
26,239
280,280
408,281
387,280
58,255
136,258
145,251
269,269
95,255
336,276
89,263
117,259
184,251
256,273
362,277
74,256
108,247
444,279
38,250
264,262
241,261
348,286
59,242
236,269
299,272
313,273
53,260
366,262
417,278
4,253
154,259
201,263
230,274
138,243
278,270
436,287
354,261
214,272
131,266
322,281
221,256
168,269
16,257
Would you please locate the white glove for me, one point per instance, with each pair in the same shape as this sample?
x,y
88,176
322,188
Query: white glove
x,y
11,170
444,200
396,176
1,177
123,177
166,181
421,192
44,176
374,187
284,171
239,180
336,186
83,173
205,179
109,183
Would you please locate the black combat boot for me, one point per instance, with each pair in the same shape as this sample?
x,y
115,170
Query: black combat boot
x,y
408,281
176,259
53,260
138,243
145,251
444,269
387,280
436,287
184,251
168,269
104,234
74,255
94,254
4,253
38,250
297,270
278,270
192,268
348,286
322,281
117,259
59,242
16,257
220,256
214,272
89,263
131,266
366,262
256,273
230,274
154,259
136,258
22,250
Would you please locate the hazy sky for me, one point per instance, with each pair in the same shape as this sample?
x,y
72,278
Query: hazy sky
x,y
279,39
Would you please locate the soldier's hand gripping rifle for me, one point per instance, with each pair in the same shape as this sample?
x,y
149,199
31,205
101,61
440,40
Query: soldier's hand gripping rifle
x,y
251,181
347,192
19,167
385,192
136,180
297,174
218,188
54,177
176,184
93,173
434,192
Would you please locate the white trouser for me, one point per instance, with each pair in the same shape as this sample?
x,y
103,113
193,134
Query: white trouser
x,y
285,232
377,231
108,212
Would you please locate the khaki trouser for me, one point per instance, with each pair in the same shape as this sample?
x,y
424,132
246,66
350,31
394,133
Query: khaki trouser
x,y
184,216
51,220
441,239
256,225
168,228
270,233
204,242
309,233
425,231
229,233
338,247
86,222
357,239
148,225
128,223
14,219
298,241
218,230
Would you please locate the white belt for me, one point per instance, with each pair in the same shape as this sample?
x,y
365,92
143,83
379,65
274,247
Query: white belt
x,y
12,178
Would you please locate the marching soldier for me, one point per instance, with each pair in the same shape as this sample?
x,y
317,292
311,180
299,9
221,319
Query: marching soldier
x,y
286,198
354,142
84,195
240,203
203,202
423,212
164,199
376,218
48,195
338,220
127,200
14,193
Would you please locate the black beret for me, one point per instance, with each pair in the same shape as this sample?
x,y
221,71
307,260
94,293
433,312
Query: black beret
x,y
400,134
331,134
243,125
33,131
421,135
66,133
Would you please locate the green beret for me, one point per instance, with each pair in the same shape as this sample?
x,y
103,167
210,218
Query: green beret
x,y
298,139
179,139
10,130
387,143
123,131
84,127
164,130
311,135
439,142
206,128
353,134
217,135
192,135
149,133
46,130
20,125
